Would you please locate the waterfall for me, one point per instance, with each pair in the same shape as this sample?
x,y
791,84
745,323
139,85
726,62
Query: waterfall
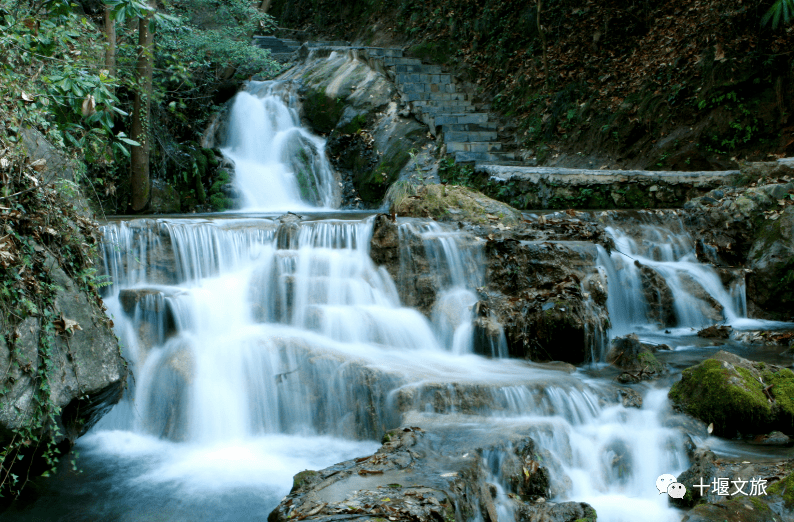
x,y
263,346
278,165
656,262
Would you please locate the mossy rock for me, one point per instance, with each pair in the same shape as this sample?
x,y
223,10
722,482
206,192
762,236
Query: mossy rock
x,y
322,112
737,395
784,488
456,203
303,479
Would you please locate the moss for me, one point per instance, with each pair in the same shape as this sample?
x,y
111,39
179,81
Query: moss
x,y
302,478
759,505
372,185
782,390
784,488
649,361
732,400
322,112
354,125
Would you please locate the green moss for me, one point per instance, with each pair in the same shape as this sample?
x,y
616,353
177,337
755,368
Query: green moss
x,y
372,186
322,112
649,361
759,505
354,125
783,391
300,479
710,392
784,488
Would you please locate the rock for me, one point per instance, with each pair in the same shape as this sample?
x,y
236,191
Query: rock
x,y
715,332
165,198
658,296
776,438
429,476
38,148
456,203
635,358
563,512
737,395
86,375
770,285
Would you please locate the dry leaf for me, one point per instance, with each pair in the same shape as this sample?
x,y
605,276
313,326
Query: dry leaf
x,y
711,428
89,106
66,326
39,165
5,163
27,97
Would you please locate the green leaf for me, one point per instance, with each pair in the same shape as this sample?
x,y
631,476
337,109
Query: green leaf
x,y
130,142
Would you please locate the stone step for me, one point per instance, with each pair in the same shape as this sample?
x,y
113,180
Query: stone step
x,y
470,127
443,107
473,146
419,68
472,136
423,78
472,117
475,157
394,54
390,61
434,96
328,43
408,88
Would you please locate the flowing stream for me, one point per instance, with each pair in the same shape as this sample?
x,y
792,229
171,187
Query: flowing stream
x,y
263,345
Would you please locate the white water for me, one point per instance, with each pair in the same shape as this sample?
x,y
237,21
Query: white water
x,y
278,165
262,348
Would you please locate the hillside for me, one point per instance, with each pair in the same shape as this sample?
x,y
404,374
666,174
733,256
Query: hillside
x,y
653,85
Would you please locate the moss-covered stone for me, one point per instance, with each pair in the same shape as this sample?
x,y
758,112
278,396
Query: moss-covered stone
x,y
784,488
737,395
322,111
455,203
302,479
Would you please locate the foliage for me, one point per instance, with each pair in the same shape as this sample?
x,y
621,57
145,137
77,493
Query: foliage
x,y
35,222
51,79
781,11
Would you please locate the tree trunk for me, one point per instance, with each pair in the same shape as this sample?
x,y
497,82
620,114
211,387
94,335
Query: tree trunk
x,y
543,43
139,161
110,50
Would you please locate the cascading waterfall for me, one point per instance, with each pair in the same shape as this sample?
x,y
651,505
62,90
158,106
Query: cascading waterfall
x,y
278,165
698,296
263,346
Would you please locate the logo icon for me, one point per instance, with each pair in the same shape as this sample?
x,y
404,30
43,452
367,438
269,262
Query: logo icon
x,y
676,490
663,482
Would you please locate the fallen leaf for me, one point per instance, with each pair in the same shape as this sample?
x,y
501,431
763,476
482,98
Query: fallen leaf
x,y
27,97
64,325
39,164
711,428
89,105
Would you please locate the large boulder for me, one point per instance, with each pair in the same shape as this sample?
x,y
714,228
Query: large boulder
x,y
771,261
429,476
76,351
455,203
737,395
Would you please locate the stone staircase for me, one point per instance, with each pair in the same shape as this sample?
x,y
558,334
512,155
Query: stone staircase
x,y
469,131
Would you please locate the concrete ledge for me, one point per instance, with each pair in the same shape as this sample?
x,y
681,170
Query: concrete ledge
x,y
585,176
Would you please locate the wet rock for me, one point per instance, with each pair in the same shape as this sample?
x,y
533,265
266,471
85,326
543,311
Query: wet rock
x,y
771,259
709,307
776,438
702,469
288,231
535,292
562,512
629,398
737,395
456,203
658,296
86,374
444,474
488,335
715,332
636,359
